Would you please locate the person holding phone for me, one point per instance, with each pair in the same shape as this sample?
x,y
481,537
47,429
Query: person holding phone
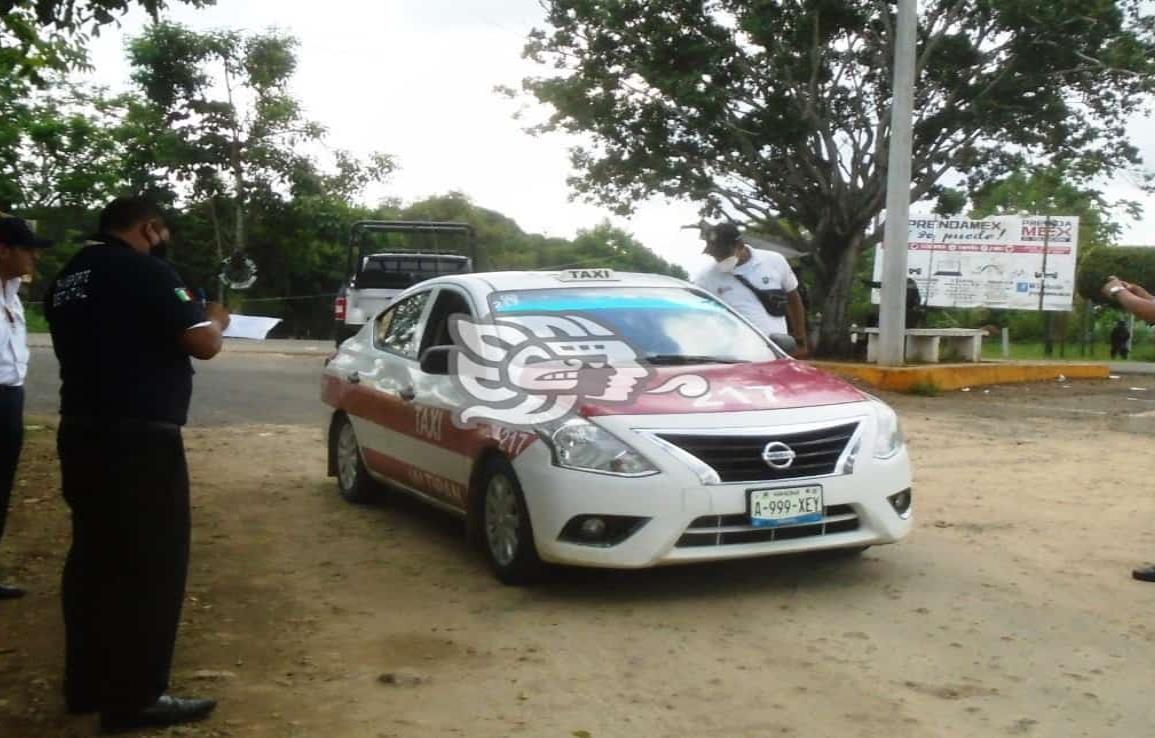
x,y
1140,303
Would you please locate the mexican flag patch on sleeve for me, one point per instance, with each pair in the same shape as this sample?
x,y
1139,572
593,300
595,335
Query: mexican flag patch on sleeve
x,y
183,294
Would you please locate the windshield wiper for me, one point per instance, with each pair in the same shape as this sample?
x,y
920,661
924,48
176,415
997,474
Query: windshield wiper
x,y
676,359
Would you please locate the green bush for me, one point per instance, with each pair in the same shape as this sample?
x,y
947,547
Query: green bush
x,y
1130,263
34,317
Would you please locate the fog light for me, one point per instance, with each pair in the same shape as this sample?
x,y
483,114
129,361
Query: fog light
x,y
593,529
901,503
601,530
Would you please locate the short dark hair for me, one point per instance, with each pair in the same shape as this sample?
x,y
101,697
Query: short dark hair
x,y
125,212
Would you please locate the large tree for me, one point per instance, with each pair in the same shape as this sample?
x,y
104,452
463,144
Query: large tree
x,y
218,112
218,123
61,148
777,112
40,34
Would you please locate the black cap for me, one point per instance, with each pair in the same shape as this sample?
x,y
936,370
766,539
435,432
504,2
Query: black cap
x,y
721,236
15,232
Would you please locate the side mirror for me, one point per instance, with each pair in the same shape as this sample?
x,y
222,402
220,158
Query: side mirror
x,y
435,360
785,342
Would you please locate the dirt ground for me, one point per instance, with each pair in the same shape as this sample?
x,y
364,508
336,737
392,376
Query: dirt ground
x,y
1009,611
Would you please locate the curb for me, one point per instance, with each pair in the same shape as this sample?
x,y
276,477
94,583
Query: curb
x,y
957,376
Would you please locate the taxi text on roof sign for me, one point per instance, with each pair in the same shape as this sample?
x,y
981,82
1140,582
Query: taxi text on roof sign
x,y
586,275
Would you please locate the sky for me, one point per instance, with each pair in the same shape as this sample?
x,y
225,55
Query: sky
x,y
416,79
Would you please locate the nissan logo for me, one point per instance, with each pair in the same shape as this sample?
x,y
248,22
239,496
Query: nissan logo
x,y
778,455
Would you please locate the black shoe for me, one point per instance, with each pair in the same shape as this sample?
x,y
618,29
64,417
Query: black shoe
x,y
1146,574
10,593
167,711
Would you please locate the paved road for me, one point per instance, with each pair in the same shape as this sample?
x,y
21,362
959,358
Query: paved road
x,y
277,382
233,388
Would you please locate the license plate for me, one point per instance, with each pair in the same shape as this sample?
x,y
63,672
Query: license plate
x,y
786,506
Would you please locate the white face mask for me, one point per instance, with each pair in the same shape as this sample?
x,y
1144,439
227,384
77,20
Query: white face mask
x,y
727,265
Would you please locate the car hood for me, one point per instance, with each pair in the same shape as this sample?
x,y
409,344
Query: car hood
x,y
720,388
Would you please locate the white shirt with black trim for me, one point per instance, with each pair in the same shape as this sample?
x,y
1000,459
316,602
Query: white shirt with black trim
x,y
766,270
13,336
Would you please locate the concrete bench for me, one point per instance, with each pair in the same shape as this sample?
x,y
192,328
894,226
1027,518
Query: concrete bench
x,y
928,345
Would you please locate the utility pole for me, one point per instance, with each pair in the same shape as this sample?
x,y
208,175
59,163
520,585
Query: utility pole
x,y
896,238
1048,340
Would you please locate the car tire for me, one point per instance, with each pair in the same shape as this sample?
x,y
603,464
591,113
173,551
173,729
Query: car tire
x,y
353,480
504,528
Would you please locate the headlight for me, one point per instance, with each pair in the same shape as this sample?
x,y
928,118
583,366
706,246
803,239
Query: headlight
x,y
888,439
579,444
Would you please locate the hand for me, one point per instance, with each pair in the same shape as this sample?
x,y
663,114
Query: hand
x,y
1112,283
217,313
1138,291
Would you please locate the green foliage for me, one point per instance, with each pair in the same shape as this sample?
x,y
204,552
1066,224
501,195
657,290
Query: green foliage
x,y
49,35
503,245
34,319
1131,264
925,388
1051,191
238,143
227,165
779,112
62,148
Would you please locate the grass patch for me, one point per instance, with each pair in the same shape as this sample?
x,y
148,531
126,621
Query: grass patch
x,y
1033,351
925,388
34,317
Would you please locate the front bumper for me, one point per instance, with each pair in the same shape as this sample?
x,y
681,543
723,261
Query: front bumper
x,y
676,502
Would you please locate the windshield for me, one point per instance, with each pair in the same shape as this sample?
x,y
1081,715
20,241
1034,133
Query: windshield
x,y
401,271
663,324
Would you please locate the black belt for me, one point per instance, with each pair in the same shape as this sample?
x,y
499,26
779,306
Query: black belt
x,y
118,423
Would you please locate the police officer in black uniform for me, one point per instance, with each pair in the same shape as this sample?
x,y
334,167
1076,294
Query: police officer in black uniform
x,y
123,328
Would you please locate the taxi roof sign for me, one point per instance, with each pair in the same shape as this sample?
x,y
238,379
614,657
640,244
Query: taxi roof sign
x,y
587,275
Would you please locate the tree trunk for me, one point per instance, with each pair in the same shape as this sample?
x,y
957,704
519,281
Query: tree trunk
x,y
237,165
220,247
239,185
834,339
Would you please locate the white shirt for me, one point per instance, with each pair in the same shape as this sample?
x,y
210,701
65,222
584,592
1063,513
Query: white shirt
x,y
766,270
13,336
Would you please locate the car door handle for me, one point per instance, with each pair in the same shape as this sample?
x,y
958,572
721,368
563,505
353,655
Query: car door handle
x,y
407,394
354,378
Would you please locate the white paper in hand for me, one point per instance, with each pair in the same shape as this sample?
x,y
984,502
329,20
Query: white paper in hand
x,y
250,326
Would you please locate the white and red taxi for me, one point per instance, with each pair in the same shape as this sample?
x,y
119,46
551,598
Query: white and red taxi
x,y
612,420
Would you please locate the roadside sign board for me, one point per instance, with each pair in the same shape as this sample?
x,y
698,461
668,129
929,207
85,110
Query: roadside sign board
x,y
996,262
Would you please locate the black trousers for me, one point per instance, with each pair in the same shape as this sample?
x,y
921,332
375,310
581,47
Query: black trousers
x,y
124,581
11,441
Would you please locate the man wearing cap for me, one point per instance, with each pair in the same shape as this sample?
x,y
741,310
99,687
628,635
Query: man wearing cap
x,y
758,284
123,328
19,250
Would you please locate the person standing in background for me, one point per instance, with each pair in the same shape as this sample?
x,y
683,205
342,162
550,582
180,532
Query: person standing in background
x,y
19,251
758,284
124,327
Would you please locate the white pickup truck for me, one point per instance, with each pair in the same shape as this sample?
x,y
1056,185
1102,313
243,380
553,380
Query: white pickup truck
x,y
387,257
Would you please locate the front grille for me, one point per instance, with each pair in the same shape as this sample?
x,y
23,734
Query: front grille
x,y
739,458
728,530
